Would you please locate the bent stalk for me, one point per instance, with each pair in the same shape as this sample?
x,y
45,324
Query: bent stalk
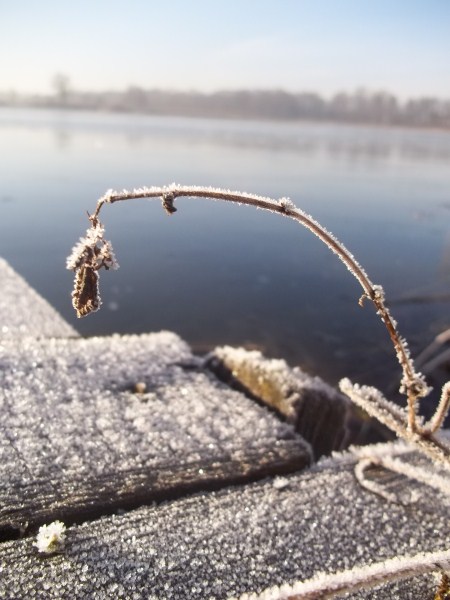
x,y
94,252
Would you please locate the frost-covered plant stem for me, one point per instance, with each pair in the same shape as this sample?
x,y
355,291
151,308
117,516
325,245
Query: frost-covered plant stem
x,y
91,260
376,405
333,585
438,418
412,382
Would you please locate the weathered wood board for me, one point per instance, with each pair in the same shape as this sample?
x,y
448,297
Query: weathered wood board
x,y
241,539
325,418
78,441
24,313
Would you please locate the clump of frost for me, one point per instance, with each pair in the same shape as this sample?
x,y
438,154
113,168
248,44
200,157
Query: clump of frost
x,y
379,293
93,248
279,483
51,538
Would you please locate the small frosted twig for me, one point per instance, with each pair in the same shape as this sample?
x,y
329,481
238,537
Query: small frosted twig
x,y
373,402
427,476
441,359
376,405
438,418
424,475
332,585
441,339
413,383
372,486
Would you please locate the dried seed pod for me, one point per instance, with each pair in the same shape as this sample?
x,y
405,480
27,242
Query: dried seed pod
x,y
85,296
91,253
167,202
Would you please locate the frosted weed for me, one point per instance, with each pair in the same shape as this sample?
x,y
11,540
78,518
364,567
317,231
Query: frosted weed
x,y
93,253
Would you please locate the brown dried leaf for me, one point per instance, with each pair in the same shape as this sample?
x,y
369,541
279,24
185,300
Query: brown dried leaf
x,y
85,296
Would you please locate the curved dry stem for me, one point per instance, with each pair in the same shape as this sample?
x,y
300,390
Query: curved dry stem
x,y
431,477
333,585
438,418
371,486
412,383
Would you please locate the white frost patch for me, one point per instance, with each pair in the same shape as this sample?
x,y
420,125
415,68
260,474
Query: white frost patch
x,y
50,538
279,483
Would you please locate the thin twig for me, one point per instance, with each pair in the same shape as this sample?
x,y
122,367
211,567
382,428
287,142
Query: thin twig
x,y
443,358
441,339
376,405
425,475
372,486
438,418
332,585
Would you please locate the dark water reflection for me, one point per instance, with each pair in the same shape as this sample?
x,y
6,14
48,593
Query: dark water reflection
x,y
221,274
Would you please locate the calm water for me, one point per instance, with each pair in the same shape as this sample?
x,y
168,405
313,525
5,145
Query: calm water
x,y
221,274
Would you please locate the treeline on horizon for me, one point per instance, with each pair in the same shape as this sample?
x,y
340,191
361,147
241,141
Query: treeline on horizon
x,y
380,108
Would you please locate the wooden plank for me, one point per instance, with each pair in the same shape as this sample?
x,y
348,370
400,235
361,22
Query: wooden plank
x,y
325,418
242,539
78,441
23,312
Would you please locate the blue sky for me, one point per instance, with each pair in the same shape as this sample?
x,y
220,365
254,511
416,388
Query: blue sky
x,y
402,46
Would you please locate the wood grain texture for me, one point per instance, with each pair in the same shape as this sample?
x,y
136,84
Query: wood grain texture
x,y
241,539
77,441
324,417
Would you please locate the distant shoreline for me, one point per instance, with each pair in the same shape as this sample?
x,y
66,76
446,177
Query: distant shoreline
x,y
299,121
357,108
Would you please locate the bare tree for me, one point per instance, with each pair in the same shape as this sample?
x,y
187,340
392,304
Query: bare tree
x,y
61,85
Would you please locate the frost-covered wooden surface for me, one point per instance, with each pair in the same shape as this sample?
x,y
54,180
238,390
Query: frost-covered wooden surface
x,y
241,539
155,467
78,440
323,416
23,312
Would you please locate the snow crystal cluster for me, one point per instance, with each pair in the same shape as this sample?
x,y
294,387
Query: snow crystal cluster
x,y
286,203
50,538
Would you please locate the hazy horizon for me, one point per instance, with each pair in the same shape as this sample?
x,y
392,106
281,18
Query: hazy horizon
x,y
321,46
51,91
